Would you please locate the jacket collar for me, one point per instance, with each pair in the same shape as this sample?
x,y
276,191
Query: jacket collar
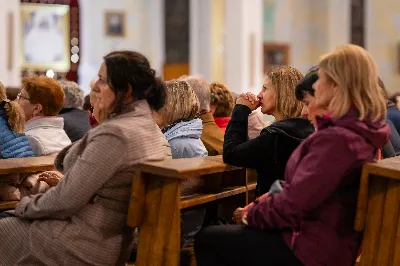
x,y
45,121
207,118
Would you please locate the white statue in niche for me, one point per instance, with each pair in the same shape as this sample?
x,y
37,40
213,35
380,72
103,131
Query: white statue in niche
x,y
43,41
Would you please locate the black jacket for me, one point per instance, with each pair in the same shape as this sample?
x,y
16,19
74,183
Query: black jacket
x,y
269,152
76,122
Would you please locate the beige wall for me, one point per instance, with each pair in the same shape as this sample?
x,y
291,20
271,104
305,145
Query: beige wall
x,y
383,39
310,27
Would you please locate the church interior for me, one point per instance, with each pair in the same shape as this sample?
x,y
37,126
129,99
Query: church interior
x,y
200,132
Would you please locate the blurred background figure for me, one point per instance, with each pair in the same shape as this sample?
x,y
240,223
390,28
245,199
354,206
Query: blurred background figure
x,y
76,120
221,104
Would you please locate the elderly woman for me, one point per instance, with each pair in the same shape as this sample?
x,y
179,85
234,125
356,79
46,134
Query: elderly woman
x,y
182,129
41,99
269,152
311,221
221,104
76,120
82,220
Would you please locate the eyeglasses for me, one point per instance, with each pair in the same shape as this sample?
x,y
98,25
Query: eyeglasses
x,y
19,96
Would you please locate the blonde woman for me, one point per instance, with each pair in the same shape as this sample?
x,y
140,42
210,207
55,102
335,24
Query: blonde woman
x,y
182,129
269,152
311,221
221,104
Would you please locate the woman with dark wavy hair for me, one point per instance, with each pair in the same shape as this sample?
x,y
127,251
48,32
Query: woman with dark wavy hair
x,y
82,220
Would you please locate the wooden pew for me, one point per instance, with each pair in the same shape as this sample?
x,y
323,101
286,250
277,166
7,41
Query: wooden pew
x,y
378,213
23,165
156,203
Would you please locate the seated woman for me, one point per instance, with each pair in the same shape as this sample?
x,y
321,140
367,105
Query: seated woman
x,y
82,220
269,152
221,104
76,120
13,143
177,120
311,221
41,99
305,93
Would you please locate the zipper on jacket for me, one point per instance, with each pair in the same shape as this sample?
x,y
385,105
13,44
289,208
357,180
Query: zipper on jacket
x,y
295,234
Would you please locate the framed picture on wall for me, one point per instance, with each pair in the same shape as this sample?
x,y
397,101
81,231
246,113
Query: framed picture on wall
x,y
275,54
45,37
114,24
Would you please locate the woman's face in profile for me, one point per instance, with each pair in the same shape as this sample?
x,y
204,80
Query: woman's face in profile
x,y
324,90
310,109
267,98
104,96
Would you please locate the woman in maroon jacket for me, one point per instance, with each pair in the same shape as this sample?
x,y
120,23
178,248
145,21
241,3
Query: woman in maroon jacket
x,y
311,221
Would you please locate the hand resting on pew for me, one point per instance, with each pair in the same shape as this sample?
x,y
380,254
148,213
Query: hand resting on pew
x,y
50,177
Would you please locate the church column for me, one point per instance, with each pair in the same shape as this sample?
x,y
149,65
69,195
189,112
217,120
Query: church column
x,y
10,47
244,45
226,42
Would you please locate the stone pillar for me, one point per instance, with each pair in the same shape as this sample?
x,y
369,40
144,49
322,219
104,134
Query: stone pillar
x,y
10,46
226,42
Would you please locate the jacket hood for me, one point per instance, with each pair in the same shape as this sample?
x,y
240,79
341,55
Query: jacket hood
x,y
296,128
377,133
187,129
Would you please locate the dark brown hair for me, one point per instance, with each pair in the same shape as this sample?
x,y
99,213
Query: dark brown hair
x,y
126,68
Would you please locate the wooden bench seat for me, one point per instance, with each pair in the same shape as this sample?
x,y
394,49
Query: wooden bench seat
x,y
23,165
199,199
8,205
157,188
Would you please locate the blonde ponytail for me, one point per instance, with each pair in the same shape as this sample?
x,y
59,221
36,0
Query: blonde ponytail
x,y
14,114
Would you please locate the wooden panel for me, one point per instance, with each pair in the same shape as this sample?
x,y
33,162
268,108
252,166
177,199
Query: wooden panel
x,y
389,224
27,165
159,242
186,168
174,71
137,200
8,205
252,186
362,201
396,256
198,199
376,200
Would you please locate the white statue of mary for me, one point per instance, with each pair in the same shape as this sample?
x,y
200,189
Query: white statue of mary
x,y
44,42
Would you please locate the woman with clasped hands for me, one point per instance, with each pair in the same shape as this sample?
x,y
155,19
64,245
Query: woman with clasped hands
x,y
82,220
269,152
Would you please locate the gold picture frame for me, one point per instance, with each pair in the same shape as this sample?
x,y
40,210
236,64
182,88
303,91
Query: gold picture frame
x,y
114,24
275,54
45,37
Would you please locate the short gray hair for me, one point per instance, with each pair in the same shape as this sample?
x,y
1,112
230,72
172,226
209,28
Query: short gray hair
x,y
202,90
74,97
